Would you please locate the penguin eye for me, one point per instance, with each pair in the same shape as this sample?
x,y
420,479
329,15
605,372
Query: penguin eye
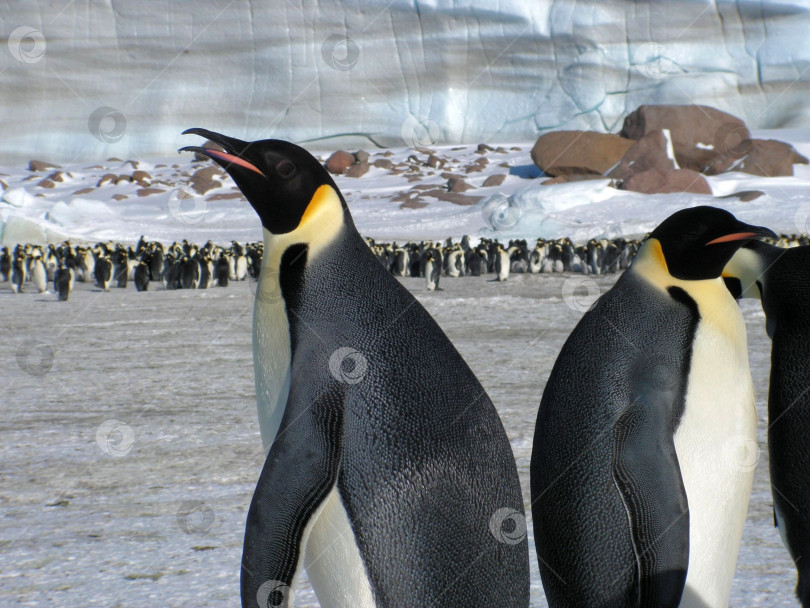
x,y
692,235
285,169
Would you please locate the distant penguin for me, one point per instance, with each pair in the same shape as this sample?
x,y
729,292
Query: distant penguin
x,y
781,279
639,493
121,268
142,276
5,265
389,475
205,274
189,273
401,262
502,264
433,270
222,271
39,275
103,272
475,263
62,282
156,263
18,273
240,267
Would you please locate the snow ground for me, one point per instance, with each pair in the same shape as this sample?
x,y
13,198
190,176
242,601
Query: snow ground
x,y
129,462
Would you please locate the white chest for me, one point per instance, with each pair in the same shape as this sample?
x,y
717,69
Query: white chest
x,y
717,453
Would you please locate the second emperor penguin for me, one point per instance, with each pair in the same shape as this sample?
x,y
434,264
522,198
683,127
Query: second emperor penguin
x,y
639,483
781,279
389,476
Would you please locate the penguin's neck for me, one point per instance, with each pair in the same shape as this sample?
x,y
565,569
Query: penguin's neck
x,y
715,303
322,223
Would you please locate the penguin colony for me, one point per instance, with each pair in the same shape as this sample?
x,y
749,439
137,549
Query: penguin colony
x,y
635,499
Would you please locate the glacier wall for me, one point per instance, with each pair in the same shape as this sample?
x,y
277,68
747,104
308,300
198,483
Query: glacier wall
x,y
89,79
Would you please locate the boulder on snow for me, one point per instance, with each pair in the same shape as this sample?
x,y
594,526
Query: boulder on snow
x,y
41,165
764,157
699,133
653,151
657,181
578,152
339,162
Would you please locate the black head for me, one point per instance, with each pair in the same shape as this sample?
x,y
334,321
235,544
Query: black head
x,y
277,177
698,242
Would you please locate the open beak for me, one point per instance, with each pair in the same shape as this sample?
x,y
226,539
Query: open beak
x,y
748,233
233,154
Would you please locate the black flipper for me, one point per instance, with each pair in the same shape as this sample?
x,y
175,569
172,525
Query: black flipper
x,y
300,471
646,472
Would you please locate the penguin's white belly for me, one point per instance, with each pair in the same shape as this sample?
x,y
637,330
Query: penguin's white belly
x,y
717,453
332,559
271,355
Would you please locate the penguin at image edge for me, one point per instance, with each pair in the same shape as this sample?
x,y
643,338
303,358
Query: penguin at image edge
x,y
780,278
639,494
387,461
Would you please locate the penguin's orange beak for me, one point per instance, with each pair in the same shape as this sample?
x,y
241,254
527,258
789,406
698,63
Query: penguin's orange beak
x,y
234,153
737,236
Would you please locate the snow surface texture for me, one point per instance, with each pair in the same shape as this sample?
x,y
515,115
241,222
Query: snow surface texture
x,y
88,80
130,445
520,207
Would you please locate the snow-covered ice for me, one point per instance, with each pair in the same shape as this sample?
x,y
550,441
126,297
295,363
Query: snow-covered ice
x,y
129,458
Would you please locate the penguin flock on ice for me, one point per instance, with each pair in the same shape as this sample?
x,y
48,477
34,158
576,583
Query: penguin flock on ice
x,y
388,475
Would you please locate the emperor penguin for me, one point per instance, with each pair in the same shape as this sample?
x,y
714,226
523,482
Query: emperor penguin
x,y
639,480
781,279
389,476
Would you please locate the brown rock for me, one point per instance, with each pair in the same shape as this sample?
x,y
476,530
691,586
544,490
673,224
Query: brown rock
x,y
745,195
3,184
453,197
149,191
357,169
764,157
414,203
81,191
114,159
120,197
565,179
202,185
132,163
107,178
142,177
656,181
339,162
699,133
435,162
415,178
41,165
225,196
210,172
210,145
383,163
361,156
57,176
494,180
578,152
46,183
500,150
649,152
458,185
125,179
478,165
483,149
